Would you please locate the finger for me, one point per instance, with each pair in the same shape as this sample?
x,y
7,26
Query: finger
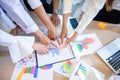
x,y
58,40
62,40
52,44
57,22
45,51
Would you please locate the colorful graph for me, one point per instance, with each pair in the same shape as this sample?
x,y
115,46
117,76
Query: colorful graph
x,y
84,44
81,70
26,61
30,70
54,51
66,66
46,67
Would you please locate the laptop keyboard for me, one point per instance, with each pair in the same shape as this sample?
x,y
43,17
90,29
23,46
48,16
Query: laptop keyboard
x,y
114,60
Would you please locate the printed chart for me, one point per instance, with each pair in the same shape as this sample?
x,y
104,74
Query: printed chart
x,y
55,55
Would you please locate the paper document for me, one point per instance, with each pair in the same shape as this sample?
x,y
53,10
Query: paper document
x,y
55,55
86,44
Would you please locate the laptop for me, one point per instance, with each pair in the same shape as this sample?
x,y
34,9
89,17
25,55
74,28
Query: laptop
x,y
111,55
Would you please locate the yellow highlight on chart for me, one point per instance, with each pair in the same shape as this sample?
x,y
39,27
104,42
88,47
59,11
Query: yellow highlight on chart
x,y
102,25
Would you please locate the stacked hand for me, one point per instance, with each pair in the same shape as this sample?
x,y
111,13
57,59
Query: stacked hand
x,y
52,34
42,49
72,38
55,19
63,34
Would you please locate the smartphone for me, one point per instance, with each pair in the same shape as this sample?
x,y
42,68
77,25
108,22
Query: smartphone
x,y
73,22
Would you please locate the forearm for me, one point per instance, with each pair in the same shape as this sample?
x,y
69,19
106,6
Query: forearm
x,y
55,4
89,14
67,6
43,16
65,19
38,33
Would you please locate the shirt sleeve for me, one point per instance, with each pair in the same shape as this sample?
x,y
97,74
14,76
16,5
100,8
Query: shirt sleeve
x,y
34,3
18,14
19,46
6,20
89,14
67,6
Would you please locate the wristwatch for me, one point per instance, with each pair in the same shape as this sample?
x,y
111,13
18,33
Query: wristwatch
x,y
55,11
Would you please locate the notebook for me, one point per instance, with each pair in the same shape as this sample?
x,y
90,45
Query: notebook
x,y
111,55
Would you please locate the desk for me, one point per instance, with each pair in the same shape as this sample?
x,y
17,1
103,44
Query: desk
x,y
106,35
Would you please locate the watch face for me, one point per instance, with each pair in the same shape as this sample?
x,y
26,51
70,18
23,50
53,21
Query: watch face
x,y
55,11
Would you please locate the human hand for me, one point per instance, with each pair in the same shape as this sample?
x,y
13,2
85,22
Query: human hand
x,y
55,19
72,38
42,49
44,39
16,30
52,34
63,34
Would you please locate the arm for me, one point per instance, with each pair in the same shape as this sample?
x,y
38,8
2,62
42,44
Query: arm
x,y
66,10
39,10
89,14
22,18
16,45
54,17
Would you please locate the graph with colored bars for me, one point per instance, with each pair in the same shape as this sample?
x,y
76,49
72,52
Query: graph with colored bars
x,y
84,44
80,73
32,71
81,70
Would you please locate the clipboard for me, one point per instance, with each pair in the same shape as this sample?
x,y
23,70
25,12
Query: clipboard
x,y
54,56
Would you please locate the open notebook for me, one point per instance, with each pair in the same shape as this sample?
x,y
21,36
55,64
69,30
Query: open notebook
x,y
111,55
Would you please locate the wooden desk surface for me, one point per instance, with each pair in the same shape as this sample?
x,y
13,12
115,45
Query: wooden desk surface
x,y
106,35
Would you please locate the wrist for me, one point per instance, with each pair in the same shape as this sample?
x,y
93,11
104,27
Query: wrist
x,y
55,11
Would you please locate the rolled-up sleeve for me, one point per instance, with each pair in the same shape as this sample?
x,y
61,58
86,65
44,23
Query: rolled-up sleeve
x,y
67,6
34,3
89,14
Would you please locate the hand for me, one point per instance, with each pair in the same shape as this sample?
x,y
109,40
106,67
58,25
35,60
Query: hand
x,y
42,49
55,19
42,37
16,30
52,34
63,34
72,38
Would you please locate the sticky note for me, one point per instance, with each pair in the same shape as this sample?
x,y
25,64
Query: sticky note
x,y
102,25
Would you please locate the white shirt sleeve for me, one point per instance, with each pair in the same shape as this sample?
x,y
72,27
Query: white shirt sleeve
x,y
6,20
89,14
67,6
34,3
19,46
17,13
116,5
